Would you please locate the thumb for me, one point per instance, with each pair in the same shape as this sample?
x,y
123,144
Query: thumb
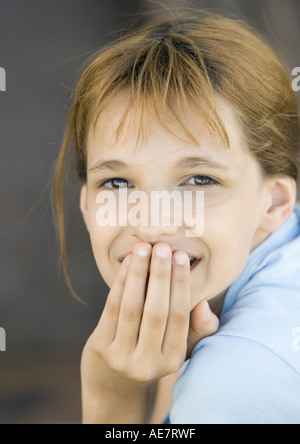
x,y
203,323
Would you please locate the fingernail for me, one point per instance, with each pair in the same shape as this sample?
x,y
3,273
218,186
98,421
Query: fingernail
x,y
208,310
162,252
181,258
127,260
143,252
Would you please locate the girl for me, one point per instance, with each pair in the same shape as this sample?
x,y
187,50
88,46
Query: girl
x,y
194,103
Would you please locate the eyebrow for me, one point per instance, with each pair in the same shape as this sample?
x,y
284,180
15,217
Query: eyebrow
x,y
185,162
194,162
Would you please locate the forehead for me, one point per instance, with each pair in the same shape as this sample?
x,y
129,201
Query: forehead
x,y
161,141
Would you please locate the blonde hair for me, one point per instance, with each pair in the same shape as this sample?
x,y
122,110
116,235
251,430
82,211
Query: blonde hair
x,y
174,64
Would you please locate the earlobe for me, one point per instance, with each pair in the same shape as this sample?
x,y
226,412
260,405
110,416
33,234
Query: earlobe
x,y
282,194
84,205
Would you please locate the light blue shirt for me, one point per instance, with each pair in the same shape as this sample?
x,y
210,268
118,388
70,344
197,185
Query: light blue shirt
x,y
249,371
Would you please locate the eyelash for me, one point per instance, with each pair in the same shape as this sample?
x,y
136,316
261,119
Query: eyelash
x,y
207,179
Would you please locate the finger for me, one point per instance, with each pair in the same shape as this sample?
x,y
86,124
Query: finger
x,y
156,307
175,341
133,299
203,323
107,326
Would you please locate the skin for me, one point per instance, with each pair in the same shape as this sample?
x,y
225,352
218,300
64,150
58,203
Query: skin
x,y
146,332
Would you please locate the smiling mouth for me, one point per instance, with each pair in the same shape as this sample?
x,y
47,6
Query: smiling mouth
x,y
194,262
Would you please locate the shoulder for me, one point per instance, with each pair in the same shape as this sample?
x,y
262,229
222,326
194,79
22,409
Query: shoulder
x,y
267,315
233,380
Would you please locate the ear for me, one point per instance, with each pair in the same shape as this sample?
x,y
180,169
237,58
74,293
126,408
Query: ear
x,y
282,198
84,205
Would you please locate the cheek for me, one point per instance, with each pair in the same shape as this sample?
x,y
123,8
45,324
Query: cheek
x,y
227,243
102,239
229,231
232,223
100,236
221,225
227,261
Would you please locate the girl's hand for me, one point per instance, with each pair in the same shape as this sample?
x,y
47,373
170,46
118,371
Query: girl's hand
x,y
203,323
145,333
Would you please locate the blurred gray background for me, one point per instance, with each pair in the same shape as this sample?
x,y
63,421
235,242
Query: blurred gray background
x,y
43,45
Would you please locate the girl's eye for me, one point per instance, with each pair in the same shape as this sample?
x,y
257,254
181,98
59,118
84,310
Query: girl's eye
x,y
115,182
201,181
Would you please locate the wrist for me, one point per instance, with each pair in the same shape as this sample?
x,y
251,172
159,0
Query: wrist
x,y
103,405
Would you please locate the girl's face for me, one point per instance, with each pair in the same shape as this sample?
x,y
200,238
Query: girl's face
x,y
235,196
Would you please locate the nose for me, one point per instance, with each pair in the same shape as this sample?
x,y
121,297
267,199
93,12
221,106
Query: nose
x,y
154,234
155,223
157,219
